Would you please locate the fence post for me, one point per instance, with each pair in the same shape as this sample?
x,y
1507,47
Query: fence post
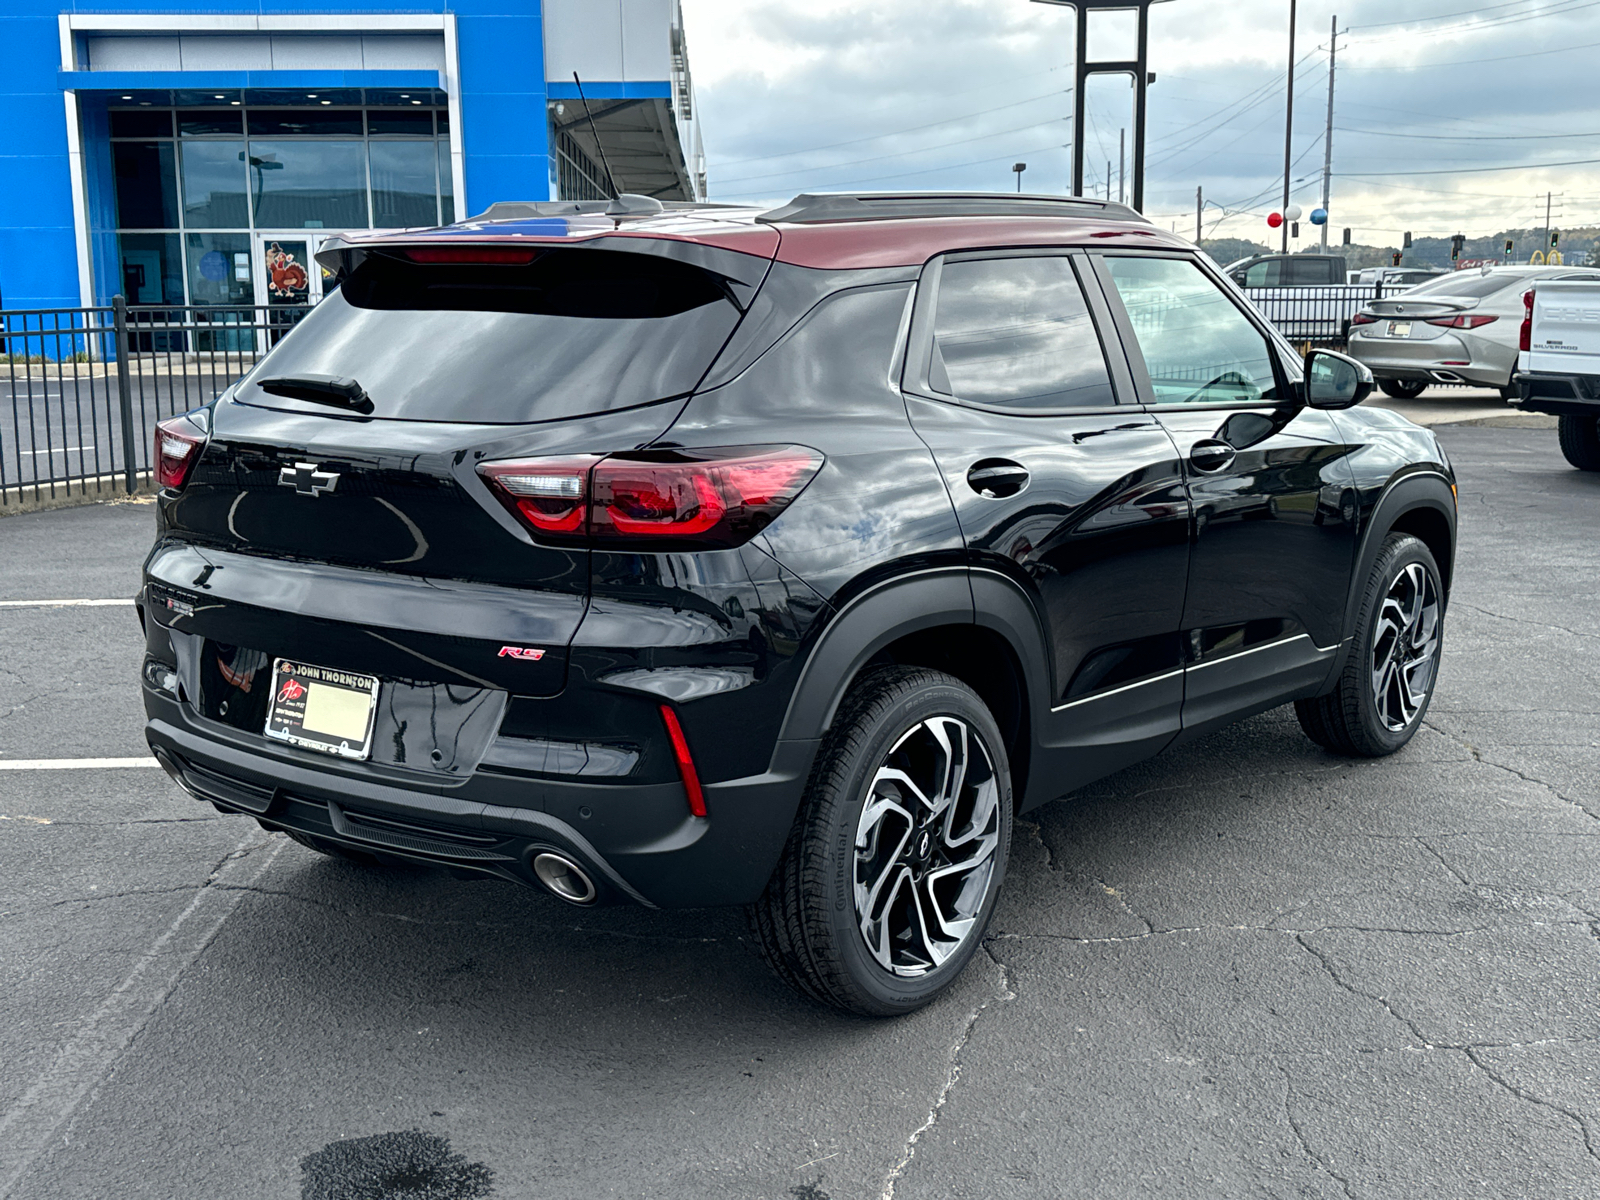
x,y
119,318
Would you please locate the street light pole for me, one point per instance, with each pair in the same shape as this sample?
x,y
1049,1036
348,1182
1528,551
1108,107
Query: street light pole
x,y
1327,133
1288,130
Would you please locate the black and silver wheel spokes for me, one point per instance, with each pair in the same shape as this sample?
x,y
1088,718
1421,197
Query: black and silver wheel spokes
x,y
1405,647
925,846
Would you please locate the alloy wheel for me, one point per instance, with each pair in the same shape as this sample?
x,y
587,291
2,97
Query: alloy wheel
x,y
925,846
1405,647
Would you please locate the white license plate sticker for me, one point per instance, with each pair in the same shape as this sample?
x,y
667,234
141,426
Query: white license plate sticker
x,y
1399,328
322,709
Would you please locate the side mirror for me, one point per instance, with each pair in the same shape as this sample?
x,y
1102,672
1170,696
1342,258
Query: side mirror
x,y
1335,380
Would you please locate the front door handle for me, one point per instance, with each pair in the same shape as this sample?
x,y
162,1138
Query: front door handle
x,y
997,477
1211,455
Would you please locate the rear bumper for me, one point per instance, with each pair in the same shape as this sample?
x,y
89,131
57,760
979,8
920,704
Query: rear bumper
x,y
1426,360
1564,395
496,821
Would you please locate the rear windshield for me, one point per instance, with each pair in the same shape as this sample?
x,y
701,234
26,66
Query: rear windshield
x,y
1467,286
573,332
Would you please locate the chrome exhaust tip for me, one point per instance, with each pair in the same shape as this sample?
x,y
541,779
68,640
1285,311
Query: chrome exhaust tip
x,y
565,878
1446,377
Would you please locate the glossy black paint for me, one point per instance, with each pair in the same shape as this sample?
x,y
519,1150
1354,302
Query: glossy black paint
x,y
1103,593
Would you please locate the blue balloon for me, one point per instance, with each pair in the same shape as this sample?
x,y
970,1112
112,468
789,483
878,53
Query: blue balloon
x,y
1319,216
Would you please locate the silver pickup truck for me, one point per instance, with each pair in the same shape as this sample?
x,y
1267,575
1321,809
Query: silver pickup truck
x,y
1558,363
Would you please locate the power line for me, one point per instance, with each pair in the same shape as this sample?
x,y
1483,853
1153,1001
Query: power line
x,y
1466,137
1467,62
1561,8
1467,12
1576,162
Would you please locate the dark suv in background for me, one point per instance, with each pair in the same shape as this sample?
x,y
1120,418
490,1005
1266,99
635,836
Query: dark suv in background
x,y
701,556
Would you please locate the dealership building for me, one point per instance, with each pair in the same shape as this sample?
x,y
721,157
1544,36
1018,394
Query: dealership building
x,y
200,153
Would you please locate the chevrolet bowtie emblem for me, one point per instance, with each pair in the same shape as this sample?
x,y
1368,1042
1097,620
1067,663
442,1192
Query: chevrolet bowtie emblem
x,y
307,480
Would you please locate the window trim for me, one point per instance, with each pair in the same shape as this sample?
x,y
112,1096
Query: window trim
x,y
1286,366
919,345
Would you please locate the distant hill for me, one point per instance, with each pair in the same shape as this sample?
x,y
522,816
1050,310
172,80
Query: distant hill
x,y
1577,246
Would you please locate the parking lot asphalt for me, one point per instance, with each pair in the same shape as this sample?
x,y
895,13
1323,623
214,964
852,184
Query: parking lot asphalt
x,y
1245,969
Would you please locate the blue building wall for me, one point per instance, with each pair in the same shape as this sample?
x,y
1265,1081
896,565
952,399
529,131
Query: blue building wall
x,y
503,132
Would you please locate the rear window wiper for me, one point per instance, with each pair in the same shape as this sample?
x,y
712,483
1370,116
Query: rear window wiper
x,y
336,390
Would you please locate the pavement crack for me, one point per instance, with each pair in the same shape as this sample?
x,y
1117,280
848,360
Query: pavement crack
x,y
1321,1160
1465,882
1522,1094
1122,903
952,1076
1344,985
1478,756
1521,620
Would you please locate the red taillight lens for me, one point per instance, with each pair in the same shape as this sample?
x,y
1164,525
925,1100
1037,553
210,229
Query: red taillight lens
x,y
1525,335
506,256
176,449
550,495
697,498
1363,319
1474,321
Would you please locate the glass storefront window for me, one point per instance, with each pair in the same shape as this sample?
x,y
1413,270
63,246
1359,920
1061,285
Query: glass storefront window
x,y
146,185
292,122
447,182
195,121
214,182
152,268
309,184
219,269
403,184
418,123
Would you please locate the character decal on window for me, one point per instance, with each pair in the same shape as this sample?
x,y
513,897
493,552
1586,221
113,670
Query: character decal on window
x,y
288,282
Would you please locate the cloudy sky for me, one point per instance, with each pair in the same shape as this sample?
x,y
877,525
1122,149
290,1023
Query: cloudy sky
x,y
1431,94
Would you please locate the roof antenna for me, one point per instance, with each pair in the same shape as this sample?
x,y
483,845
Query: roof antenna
x,y
610,178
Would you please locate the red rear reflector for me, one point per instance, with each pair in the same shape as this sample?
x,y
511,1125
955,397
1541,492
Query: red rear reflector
x,y
1474,321
703,498
177,447
511,256
1525,334
680,751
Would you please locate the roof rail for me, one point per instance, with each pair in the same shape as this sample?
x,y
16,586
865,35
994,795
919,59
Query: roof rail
x,y
526,210
865,206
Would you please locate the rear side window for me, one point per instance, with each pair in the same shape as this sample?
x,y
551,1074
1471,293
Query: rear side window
x,y
574,331
1016,333
1307,271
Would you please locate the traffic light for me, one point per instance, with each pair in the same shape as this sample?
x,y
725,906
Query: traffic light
x,y
1396,257
1294,229
1510,245
1347,236
1407,242
1554,238
1456,242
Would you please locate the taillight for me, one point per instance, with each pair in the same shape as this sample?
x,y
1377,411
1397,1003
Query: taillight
x,y
693,498
1363,319
1474,321
1525,336
176,450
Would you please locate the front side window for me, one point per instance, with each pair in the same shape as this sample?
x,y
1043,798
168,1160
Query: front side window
x,y
1016,332
1198,347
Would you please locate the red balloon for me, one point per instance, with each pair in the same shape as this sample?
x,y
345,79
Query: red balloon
x,y
1275,219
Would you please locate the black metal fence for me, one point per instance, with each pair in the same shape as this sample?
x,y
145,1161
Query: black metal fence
x,y
1318,315
87,386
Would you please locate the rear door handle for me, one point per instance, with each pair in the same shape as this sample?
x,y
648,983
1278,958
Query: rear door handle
x,y
1210,455
997,477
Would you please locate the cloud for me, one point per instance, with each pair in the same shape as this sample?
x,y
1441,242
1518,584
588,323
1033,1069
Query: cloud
x,y
948,94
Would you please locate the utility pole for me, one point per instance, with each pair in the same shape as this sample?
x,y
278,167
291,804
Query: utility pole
x,y
1108,182
1327,134
1199,207
1545,245
1122,166
1288,129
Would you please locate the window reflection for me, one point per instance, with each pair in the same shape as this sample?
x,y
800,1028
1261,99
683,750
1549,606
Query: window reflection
x,y
308,184
214,185
1017,332
1198,347
404,183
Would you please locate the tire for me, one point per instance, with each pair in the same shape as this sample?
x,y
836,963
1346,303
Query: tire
x,y
813,921
335,850
1580,441
1402,608
1403,389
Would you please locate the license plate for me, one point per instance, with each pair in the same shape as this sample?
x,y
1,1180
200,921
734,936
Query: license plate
x,y
322,709
1399,328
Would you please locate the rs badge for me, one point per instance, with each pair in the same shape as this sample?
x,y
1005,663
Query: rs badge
x,y
526,652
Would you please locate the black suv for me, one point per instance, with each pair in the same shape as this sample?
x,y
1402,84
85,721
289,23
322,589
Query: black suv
x,y
699,556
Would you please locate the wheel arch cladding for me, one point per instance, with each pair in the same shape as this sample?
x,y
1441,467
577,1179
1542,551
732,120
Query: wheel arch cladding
x,y
929,620
1421,505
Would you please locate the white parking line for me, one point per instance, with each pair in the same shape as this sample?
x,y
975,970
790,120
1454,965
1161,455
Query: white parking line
x,y
74,764
61,603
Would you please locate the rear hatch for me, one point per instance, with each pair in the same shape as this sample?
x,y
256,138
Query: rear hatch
x,y
336,516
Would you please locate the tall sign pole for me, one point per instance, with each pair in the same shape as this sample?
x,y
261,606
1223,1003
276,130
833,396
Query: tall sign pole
x,y
1327,133
1138,67
1288,130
